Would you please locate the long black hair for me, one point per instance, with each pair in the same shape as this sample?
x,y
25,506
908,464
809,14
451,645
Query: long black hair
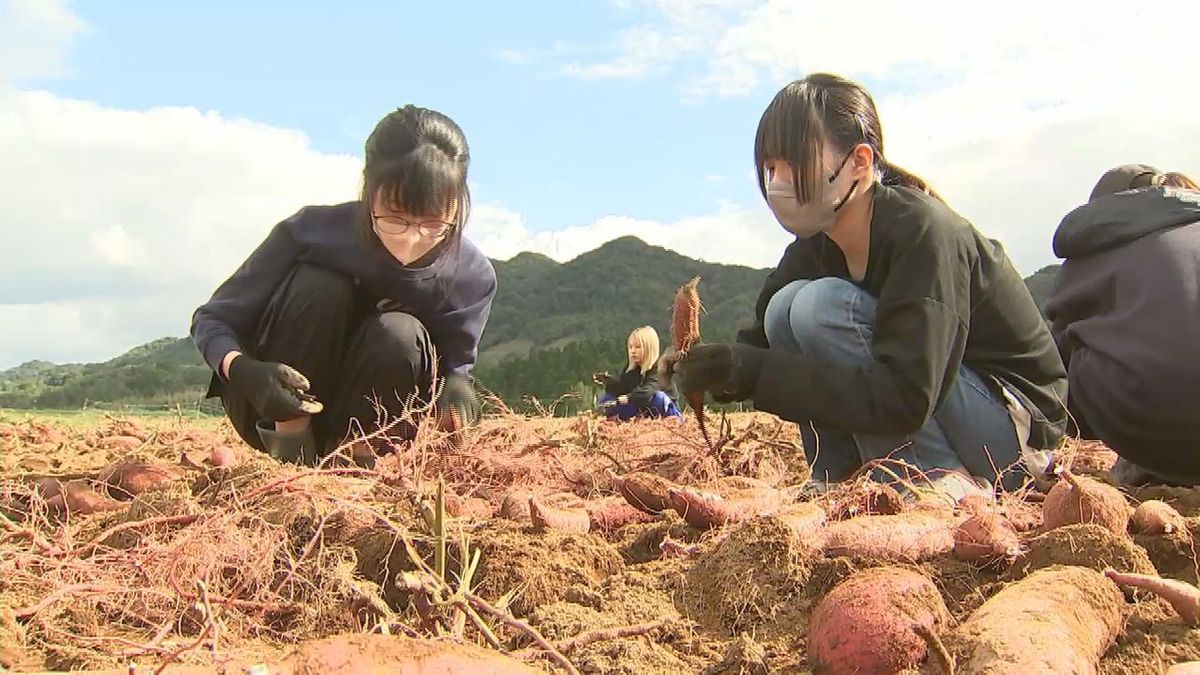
x,y
822,108
418,159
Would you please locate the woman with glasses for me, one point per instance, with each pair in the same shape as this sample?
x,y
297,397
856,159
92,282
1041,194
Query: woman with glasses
x,y
347,316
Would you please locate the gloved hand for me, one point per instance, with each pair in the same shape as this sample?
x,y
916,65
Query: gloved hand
x,y
277,391
457,405
728,371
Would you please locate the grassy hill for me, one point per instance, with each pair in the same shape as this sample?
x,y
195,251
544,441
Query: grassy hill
x,y
552,325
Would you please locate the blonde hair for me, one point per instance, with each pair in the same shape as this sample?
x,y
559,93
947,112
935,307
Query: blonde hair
x,y
1176,179
647,338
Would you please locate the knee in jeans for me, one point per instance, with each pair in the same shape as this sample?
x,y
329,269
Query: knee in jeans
x,y
396,340
811,307
321,288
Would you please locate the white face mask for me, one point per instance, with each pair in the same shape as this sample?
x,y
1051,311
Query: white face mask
x,y
818,215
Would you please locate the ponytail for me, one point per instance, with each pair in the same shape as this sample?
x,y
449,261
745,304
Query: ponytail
x,y
1175,179
894,175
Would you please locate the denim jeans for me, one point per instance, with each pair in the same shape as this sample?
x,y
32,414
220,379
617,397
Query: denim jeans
x,y
971,434
660,405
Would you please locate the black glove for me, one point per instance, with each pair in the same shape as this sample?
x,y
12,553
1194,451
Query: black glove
x,y
277,391
728,372
457,395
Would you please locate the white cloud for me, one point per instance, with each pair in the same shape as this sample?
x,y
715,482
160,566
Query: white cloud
x,y
732,235
34,35
643,50
1012,109
118,223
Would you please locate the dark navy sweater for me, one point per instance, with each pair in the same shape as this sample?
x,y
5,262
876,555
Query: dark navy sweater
x,y
452,296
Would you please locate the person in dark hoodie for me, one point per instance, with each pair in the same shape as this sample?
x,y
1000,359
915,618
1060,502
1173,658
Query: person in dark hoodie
x,y
637,392
352,314
891,329
1125,314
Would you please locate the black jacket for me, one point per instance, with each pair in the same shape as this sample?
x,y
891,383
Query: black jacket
x,y
1125,314
452,296
640,388
947,296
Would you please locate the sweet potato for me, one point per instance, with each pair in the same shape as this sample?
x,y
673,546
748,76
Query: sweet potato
x,y
911,537
705,510
645,491
876,621
129,428
470,508
1156,517
986,539
78,498
516,505
1057,620
1183,597
546,517
127,480
121,443
1079,499
805,519
222,456
611,514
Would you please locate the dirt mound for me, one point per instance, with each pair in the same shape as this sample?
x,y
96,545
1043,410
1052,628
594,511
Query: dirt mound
x,y
540,567
1085,546
1175,554
1153,640
1186,500
749,579
636,610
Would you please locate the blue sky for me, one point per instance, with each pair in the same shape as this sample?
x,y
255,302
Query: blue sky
x,y
147,147
559,149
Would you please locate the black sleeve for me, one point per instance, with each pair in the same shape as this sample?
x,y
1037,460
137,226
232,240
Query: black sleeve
x,y
459,328
798,262
642,394
612,386
920,336
1081,290
234,310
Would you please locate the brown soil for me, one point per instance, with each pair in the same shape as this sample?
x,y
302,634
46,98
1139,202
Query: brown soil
x,y
291,557
1086,546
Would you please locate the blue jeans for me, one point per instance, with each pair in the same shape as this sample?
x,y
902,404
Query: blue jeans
x,y
660,406
970,434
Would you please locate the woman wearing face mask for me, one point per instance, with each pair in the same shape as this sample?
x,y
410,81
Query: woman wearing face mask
x,y
349,313
892,329
637,392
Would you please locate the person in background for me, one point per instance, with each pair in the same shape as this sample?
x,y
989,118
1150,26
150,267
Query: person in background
x,y
1125,314
357,312
637,392
892,330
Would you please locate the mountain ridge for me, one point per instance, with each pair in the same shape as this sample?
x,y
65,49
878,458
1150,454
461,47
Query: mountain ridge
x,y
552,325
